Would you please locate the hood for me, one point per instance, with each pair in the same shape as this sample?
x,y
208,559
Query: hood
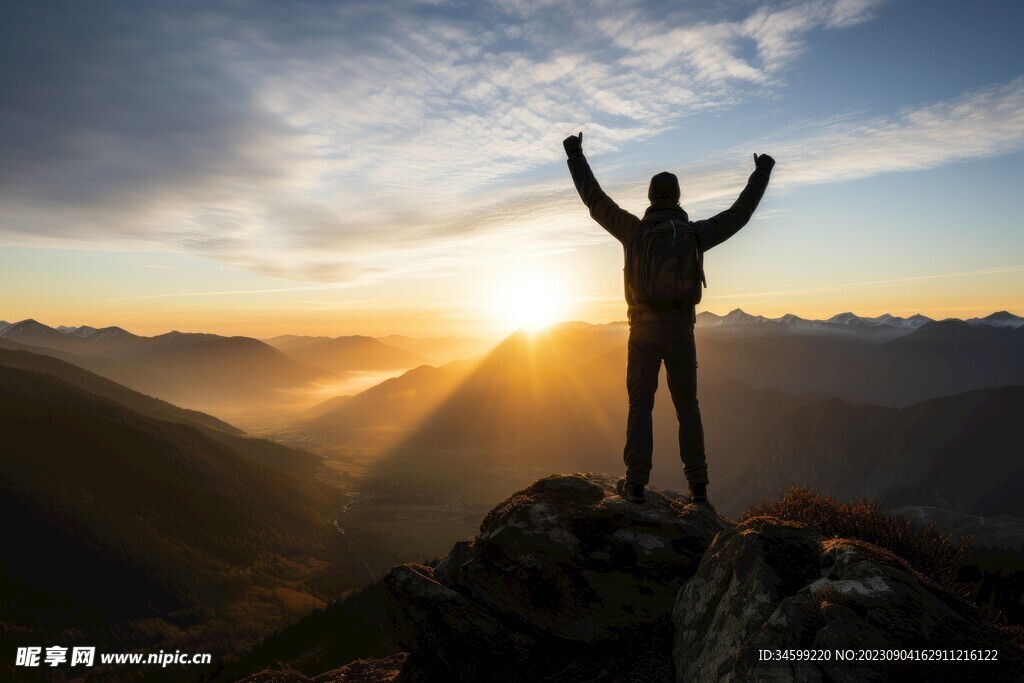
x,y
664,188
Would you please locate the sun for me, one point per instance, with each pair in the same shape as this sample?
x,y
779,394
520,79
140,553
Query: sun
x,y
530,301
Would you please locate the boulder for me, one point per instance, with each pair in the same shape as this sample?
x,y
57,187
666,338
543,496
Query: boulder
x,y
745,572
574,560
773,585
565,576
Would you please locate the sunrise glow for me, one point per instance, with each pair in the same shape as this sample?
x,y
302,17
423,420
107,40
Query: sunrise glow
x,y
530,301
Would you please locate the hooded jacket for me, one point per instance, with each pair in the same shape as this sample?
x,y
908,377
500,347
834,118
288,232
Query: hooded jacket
x,y
664,197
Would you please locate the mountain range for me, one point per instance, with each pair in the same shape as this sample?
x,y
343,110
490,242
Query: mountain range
x,y
201,370
136,378
938,358
878,329
227,374
207,370
346,354
441,349
558,395
535,401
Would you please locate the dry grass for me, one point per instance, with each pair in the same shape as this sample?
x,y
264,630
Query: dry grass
x,y
936,556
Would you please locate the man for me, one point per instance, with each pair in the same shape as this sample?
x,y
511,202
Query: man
x,y
663,332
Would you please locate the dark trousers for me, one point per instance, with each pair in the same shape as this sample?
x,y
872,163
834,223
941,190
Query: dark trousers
x,y
650,343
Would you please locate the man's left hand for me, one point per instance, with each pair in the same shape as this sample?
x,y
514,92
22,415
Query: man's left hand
x,y
573,145
763,161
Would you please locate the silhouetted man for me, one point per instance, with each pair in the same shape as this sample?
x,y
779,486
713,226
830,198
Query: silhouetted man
x,y
663,331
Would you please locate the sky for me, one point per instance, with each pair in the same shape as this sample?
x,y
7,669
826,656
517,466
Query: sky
x,y
265,168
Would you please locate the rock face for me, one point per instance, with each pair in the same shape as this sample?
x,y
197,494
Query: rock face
x,y
772,585
744,574
563,573
434,620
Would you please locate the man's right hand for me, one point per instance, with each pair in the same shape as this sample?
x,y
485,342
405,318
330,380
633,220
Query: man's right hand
x,y
763,161
573,145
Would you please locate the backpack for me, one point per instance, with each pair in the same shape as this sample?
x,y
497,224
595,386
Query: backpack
x,y
665,266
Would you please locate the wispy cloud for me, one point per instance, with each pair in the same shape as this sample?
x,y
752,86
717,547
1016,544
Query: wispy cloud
x,y
980,123
353,142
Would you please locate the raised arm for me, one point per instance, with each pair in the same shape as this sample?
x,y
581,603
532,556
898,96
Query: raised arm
x,y
721,227
619,222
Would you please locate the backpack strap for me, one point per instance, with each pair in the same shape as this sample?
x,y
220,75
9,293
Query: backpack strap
x,y
700,264
700,250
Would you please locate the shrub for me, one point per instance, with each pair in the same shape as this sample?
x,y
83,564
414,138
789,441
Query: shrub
x,y
938,557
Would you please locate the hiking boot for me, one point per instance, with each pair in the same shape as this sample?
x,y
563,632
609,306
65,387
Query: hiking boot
x,y
699,493
633,492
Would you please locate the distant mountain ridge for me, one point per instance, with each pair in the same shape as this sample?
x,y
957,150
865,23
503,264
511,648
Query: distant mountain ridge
x,y
999,319
846,355
878,329
441,349
29,329
344,354
99,334
428,347
130,376
201,369
740,317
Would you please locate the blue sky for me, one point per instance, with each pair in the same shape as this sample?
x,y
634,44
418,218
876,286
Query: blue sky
x,y
265,168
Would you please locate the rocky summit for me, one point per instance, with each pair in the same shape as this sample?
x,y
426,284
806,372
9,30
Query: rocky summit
x,y
565,576
567,581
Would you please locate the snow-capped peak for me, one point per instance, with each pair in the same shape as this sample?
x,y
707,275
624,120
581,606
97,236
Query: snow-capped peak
x,y
80,331
738,316
734,317
111,333
884,320
847,318
999,319
26,327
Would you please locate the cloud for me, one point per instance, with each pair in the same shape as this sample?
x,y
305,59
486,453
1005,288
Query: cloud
x,y
354,141
980,123
109,105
